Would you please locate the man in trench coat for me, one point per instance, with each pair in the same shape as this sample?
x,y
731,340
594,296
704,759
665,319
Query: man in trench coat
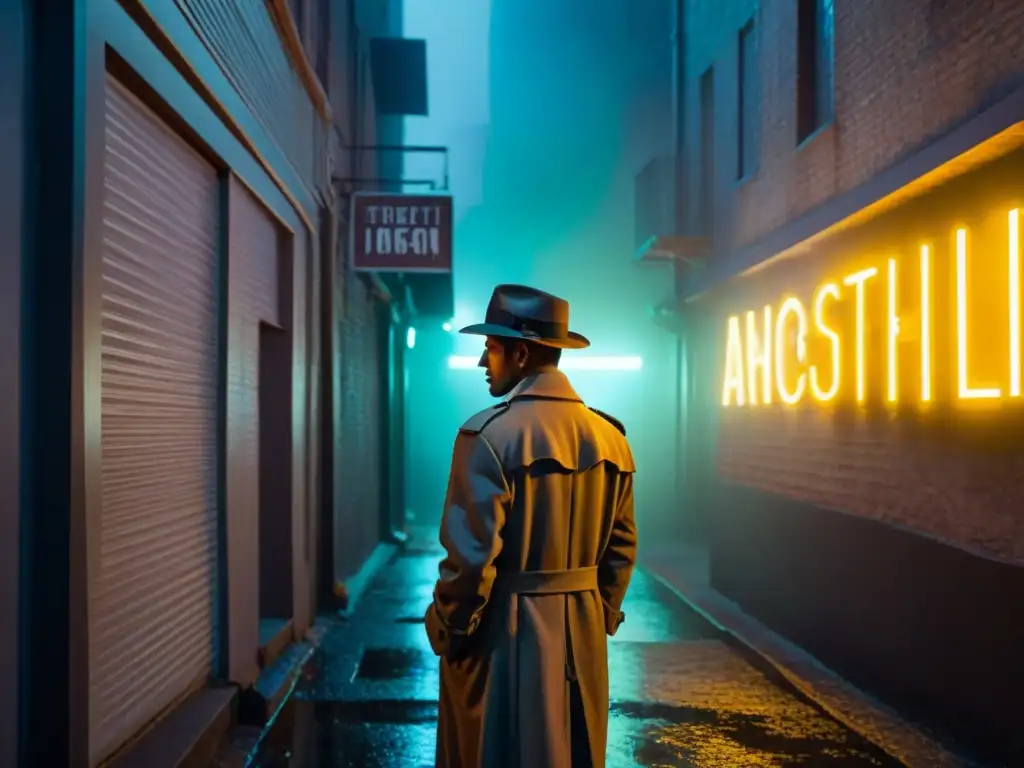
x,y
540,545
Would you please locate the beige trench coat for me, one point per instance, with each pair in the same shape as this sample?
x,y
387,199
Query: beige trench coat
x,y
540,539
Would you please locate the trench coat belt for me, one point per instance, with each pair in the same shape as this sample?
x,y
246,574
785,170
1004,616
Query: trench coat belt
x,y
547,582
523,584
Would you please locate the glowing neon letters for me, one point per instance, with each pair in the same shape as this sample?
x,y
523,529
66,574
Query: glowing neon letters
x,y
767,359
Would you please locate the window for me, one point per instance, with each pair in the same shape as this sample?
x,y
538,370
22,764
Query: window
x,y
748,108
815,50
313,24
319,44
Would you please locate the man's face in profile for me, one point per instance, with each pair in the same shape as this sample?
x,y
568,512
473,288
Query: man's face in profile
x,y
502,370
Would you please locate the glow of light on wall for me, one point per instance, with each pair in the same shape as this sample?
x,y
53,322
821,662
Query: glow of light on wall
x,y
446,327
752,334
410,337
615,363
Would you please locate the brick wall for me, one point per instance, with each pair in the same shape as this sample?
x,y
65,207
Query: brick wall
x,y
356,387
941,488
907,71
357,470
949,471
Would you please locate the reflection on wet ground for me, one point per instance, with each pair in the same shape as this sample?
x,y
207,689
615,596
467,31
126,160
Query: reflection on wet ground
x,y
681,694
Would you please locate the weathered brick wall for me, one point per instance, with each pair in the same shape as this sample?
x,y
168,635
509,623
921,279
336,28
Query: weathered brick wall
x,y
907,71
356,447
357,389
944,489
952,470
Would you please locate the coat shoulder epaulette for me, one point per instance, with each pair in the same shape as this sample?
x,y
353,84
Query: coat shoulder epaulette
x,y
611,420
475,424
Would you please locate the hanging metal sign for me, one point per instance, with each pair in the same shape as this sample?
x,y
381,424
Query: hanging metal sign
x,y
392,232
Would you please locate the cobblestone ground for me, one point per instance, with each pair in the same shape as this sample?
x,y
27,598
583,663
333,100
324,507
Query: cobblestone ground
x,y
681,695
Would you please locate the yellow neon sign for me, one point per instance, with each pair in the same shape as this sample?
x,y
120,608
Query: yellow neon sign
x,y
759,357
1013,227
926,324
826,291
893,333
790,307
767,357
965,391
857,280
733,390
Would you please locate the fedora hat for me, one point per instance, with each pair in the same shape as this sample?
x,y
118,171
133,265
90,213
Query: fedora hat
x,y
521,312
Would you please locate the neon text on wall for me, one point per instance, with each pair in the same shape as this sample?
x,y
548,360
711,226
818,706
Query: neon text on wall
x,y
767,359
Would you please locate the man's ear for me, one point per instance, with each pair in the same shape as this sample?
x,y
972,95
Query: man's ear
x,y
521,354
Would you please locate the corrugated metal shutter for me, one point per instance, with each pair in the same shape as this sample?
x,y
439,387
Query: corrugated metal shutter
x,y
244,41
254,288
254,298
255,270
151,621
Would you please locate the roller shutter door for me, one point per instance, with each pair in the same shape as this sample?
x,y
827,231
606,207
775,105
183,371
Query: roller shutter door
x,y
153,583
255,299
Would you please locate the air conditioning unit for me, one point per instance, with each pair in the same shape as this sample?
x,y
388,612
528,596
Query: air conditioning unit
x,y
657,208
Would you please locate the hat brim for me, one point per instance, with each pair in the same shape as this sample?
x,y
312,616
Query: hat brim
x,y
574,341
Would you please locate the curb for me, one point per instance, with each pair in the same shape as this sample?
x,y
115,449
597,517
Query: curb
x,y
357,583
290,666
845,703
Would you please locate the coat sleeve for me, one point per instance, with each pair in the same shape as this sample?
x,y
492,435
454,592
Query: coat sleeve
x,y
475,511
616,566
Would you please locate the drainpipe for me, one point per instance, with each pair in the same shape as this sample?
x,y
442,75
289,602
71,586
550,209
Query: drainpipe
x,y
679,110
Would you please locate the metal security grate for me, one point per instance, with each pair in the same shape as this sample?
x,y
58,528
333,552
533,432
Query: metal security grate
x,y
244,41
151,616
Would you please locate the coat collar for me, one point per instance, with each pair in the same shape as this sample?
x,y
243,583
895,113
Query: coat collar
x,y
553,385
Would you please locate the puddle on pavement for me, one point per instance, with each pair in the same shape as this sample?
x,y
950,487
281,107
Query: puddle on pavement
x,y
701,703
400,734
392,663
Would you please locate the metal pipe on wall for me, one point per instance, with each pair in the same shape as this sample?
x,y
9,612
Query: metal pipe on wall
x,y
13,29
678,15
329,253
679,110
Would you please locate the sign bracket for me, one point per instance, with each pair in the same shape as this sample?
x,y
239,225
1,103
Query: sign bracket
x,y
410,149
428,183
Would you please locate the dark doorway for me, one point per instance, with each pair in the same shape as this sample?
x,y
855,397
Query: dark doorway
x,y
396,429
392,461
275,499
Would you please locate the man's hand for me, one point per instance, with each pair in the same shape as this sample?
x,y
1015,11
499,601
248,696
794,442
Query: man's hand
x,y
616,566
475,510
437,633
443,642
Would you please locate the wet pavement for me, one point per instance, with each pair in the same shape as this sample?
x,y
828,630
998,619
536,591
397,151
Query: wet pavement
x,y
682,695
